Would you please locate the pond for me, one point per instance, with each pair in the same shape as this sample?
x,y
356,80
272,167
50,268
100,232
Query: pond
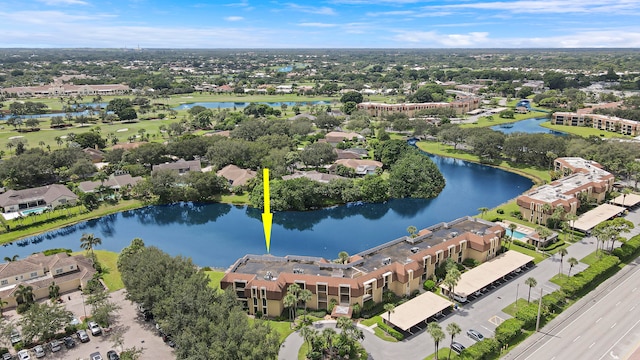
x,y
530,126
239,105
218,234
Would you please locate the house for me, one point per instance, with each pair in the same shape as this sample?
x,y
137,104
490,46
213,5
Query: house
x,y
66,90
50,196
361,166
127,146
335,137
583,178
235,175
96,155
401,266
313,175
114,182
40,271
346,154
181,166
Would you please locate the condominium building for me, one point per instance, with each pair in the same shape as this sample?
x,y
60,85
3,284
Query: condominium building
x,y
461,106
602,122
66,90
401,266
583,177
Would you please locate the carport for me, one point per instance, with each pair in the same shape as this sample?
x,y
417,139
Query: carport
x,y
483,275
629,200
591,218
417,310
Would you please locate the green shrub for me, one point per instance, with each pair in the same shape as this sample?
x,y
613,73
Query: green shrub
x,y
484,349
597,272
500,211
356,310
508,330
389,330
528,315
553,246
555,301
429,285
470,262
523,244
57,251
628,250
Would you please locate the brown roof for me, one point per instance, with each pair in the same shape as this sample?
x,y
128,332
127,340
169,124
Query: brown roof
x,y
127,146
354,163
225,133
182,164
95,154
313,175
236,176
339,136
47,193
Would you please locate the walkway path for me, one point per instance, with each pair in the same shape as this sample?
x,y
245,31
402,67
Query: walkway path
x,y
483,314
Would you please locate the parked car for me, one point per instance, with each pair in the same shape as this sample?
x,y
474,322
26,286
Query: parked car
x,y
69,342
15,337
7,356
55,346
475,335
24,355
95,356
95,328
112,355
83,336
457,347
39,351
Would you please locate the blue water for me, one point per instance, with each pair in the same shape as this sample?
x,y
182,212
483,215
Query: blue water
x,y
530,126
238,105
516,234
38,116
219,234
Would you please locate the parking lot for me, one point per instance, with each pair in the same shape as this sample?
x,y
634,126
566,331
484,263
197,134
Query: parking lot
x,y
136,332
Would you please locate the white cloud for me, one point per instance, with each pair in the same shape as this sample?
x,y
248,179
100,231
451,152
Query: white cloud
x,y
319,10
51,17
63,2
317,24
234,18
547,6
391,13
376,2
435,39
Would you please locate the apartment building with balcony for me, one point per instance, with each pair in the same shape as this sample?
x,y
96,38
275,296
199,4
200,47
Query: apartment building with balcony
x,y
401,266
461,105
597,121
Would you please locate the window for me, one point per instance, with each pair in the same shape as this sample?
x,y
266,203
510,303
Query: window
x,y
71,267
4,282
58,271
34,274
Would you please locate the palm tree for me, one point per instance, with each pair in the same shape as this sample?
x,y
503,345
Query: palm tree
x,y
531,282
343,256
563,252
10,259
482,211
513,228
412,230
437,335
290,301
451,279
543,234
389,308
453,329
307,334
88,242
54,291
572,262
2,304
572,219
625,192
304,296
24,294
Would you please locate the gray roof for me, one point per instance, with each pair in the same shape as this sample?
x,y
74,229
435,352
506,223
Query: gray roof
x,y
191,165
113,182
47,193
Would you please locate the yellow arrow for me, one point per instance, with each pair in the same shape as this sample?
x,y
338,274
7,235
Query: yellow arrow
x,y
267,216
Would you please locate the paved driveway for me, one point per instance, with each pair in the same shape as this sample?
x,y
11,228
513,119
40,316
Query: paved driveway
x,y
137,332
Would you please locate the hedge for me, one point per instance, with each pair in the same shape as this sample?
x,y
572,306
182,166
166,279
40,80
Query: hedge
x,y
508,330
523,244
628,250
484,349
554,246
598,271
389,330
528,315
429,285
555,301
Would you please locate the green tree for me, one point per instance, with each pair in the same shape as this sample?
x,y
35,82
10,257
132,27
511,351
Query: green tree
x,y
543,234
434,329
415,175
54,291
43,321
88,242
451,279
563,252
454,330
343,257
305,295
318,154
389,308
413,231
572,262
531,283
351,96
482,211
513,228
24,295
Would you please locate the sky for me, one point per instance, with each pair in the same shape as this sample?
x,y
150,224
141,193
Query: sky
x,y
320,23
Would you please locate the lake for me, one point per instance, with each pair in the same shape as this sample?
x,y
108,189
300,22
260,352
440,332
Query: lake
x,y
530,126
218,234
238,105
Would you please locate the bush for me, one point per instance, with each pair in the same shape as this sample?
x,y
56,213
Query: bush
x,y
500,211
356,310
523,244
470,263
628,250
516,214
554,246
389,330
508,330
484,349
429,285
591,276
57,251
555,301
528,315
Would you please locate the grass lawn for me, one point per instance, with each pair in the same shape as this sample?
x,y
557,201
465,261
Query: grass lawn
x,y
497,120
559,279
537,257
443,353
584,131
109,261
304,349
537,175
591,258
64,221
371,321
235,199
214,278
282,327
511,308
383,335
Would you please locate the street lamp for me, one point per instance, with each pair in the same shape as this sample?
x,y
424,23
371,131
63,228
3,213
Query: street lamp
x,y
83,306
517,289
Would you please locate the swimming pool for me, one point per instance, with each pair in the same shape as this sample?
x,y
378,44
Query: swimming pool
x,y
516,234
38,210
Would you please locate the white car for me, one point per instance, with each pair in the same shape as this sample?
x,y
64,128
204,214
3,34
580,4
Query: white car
x,y
24,355
95,328
39,351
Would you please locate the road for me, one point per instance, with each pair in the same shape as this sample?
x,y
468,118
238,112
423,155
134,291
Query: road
x,y
603,325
